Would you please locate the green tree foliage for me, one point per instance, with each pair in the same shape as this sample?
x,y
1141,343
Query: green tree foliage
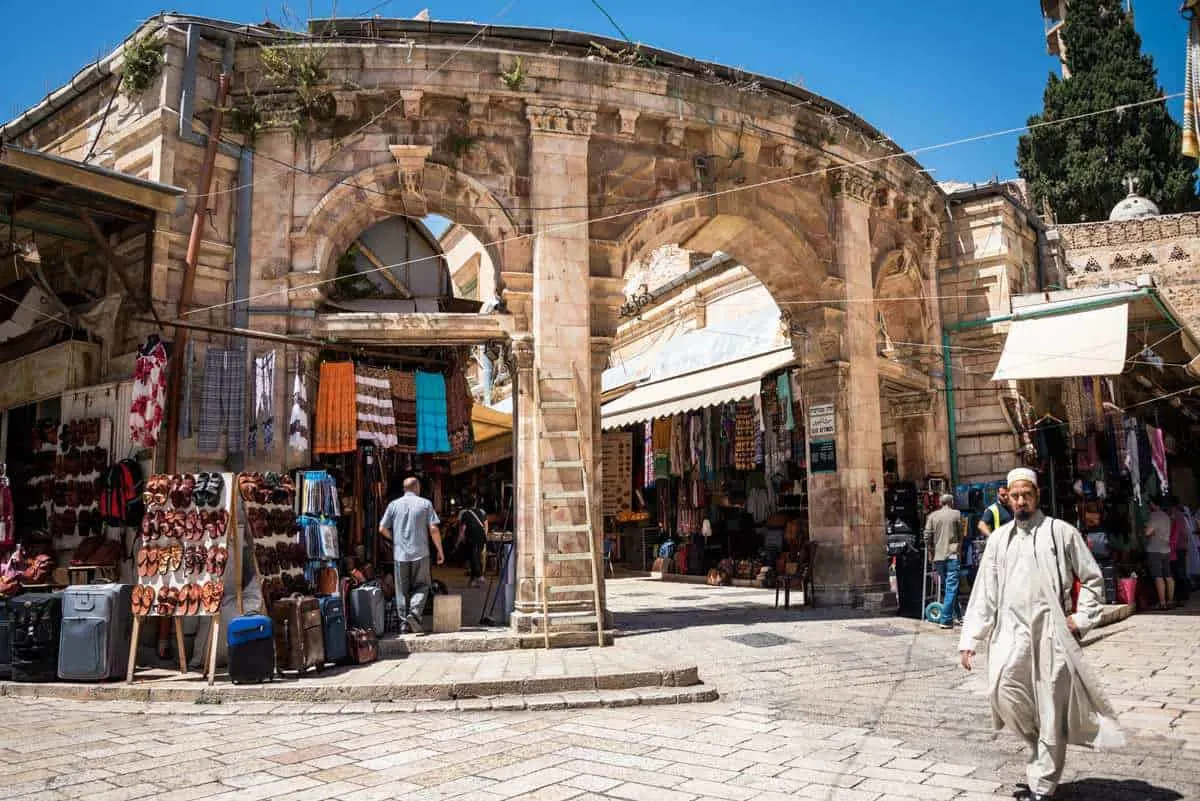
x,y
1080,166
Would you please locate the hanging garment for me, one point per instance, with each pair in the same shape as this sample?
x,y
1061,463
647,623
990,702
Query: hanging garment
x,y
337,413
648,455
149,394
404,403
662,448
374,413
459,404
1133,458
263,419
7,533
298,419
185,391
432,436
745,436
222,401
783,388
695,427
1158,455
678,446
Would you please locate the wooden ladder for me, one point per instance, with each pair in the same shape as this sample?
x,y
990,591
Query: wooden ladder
x,y
568,497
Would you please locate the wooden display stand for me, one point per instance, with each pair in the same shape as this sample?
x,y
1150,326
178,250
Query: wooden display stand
x,y
232,545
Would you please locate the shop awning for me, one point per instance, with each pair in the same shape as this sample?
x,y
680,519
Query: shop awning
x,y
1087,342
493,440
488,423
722,383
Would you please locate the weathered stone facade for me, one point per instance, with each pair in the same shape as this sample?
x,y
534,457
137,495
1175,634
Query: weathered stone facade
x,y
569,166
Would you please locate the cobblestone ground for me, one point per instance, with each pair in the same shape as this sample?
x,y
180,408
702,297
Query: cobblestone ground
x,y
816,705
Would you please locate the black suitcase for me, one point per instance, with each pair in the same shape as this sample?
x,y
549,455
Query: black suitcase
x,y
36,628
251,643
5,639
1109,573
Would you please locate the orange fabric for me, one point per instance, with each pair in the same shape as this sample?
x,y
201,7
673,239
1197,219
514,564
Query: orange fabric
x,y
337,412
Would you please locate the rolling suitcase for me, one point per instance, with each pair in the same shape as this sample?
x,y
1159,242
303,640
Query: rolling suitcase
x,y
251,649
333,624
5,639
299,641
96,626
36,621
362,645
366,609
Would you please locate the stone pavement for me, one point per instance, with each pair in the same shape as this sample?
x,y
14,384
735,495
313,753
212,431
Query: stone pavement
x,y
815,704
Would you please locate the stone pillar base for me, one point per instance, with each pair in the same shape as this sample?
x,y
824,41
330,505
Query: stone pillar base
x,y
871,598
528,621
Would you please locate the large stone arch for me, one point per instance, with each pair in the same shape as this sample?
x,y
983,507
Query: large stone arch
x,y
769,244
901,300
376,193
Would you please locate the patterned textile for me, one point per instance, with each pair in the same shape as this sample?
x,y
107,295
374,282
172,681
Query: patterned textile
x,y
264,403
373,405
745,436
432,436
222,401
458,413
149,394
298,419
648,466
678,446
337,413
404,403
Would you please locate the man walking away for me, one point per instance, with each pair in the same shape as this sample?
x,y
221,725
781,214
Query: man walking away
x,y
943,535
1158,554
1038,683
409,523
997,514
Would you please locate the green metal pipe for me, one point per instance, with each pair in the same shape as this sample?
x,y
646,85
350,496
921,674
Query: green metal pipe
x,y
951,422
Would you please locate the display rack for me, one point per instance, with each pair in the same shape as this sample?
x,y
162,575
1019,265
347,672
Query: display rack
x,y
187,544
269,521
317,509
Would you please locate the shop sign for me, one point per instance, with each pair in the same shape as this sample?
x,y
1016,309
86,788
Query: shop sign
x,y
822,456
821,420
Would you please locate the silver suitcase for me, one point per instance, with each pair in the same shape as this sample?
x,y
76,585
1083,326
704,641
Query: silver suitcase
x,y
96,626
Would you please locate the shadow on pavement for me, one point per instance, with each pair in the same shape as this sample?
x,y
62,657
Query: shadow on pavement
x,y
669,618
1114,790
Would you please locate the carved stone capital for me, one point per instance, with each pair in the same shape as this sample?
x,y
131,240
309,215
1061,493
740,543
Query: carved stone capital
x,y
912,404
412,102
785,156
522,354
673,132
410,167
628,120
560,119
817,333
852,183
477,109
346,104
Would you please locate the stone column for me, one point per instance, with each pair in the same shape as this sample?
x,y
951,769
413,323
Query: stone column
x,y
600,347
526,523
838,349
561,326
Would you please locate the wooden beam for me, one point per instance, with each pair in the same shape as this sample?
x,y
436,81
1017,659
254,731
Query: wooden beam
x,y
113,262
384,270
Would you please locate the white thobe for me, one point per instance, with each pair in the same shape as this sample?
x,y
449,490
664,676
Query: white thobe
x,y
1037,681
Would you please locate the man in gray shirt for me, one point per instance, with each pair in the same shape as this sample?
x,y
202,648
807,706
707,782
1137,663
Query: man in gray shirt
x,y
943,536
408,523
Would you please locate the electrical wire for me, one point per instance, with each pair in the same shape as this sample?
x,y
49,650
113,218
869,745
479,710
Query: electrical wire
x,y
695,197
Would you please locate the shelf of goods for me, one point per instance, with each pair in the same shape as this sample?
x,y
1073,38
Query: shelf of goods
x,y
269,520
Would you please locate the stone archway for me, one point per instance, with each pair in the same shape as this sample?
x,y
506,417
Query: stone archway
x,y
386,190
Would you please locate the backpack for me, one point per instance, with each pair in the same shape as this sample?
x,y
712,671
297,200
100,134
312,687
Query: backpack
x,y
121,494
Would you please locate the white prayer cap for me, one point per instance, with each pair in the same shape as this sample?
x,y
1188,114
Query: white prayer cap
x,y
1022,474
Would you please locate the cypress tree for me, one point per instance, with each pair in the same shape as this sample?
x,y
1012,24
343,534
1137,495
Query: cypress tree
x,y
1080,166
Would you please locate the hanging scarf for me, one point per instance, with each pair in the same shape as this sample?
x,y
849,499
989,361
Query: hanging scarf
x,y
264,404
298,419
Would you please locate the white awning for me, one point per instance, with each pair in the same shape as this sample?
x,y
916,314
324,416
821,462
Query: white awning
x,y
722,383
1079,343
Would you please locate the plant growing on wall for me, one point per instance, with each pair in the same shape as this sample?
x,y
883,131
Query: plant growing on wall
x,y
143,62
352,285
514,77
301,70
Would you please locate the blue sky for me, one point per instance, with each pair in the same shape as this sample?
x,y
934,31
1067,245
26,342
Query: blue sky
x,y
924,72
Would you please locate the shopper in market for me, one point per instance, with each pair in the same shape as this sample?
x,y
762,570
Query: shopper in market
x,y
1158,553
997,514
943,536
1039,686
475,528
409,523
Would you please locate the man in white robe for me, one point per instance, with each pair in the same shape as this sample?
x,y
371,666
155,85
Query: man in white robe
x,y
1038,684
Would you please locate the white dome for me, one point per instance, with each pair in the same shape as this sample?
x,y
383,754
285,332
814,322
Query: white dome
x,y
1133,207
